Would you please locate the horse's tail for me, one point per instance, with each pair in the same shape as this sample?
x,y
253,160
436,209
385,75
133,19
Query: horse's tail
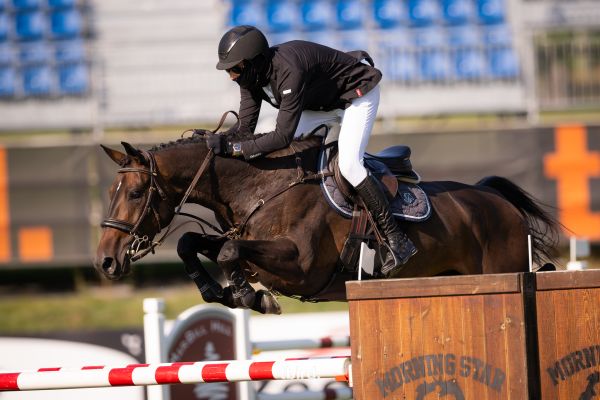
x,y
543,227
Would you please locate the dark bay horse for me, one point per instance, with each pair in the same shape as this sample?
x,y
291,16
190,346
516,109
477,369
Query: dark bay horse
x,y
284,235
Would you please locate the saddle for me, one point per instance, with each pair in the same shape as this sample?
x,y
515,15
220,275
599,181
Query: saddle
x,y
394,172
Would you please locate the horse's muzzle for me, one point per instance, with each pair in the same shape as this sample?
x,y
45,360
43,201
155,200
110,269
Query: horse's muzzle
x,y
112,268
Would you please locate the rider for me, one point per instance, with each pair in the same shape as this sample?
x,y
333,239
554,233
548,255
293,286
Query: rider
x,y
310,84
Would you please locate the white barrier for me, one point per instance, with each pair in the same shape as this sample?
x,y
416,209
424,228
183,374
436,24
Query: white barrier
x,y
174,373
166,343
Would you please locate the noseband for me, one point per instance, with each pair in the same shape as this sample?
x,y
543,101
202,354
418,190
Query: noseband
x,y
140,242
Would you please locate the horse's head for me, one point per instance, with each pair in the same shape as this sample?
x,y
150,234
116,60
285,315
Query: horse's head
x,y
138,210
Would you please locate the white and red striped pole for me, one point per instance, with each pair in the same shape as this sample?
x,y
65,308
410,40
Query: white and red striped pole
x,y
174,373
301,344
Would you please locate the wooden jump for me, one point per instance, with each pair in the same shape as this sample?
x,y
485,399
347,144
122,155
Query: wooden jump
x,y
509,336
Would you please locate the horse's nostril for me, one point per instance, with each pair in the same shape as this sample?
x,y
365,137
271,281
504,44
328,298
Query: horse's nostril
x,y
107,263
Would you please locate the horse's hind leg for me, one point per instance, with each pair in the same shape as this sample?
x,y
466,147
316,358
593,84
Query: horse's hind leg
x,y
188,247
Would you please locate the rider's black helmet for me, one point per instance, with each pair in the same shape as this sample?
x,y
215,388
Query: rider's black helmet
x,y
243,42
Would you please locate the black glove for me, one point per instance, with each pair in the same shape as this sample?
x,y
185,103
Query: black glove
x,y
218,144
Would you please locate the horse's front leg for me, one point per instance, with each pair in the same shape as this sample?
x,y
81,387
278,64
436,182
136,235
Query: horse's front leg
x,y
188,247
282,254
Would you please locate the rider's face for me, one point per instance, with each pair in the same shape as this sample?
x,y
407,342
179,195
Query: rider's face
x,y
235,71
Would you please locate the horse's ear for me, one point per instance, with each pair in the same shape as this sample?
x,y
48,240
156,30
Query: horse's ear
x,y
134,153
115,155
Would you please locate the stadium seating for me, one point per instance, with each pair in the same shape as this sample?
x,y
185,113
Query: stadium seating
x,y
37,80
403,67
22,5
458,12
30,25
423,12
247,12
65,24
69,51
350,14
464,36
432,41
7,81
503,63
434,66
317,15
7,54
61,3
389,13
37,52
491,11
469,64
282,15
5,23
73,79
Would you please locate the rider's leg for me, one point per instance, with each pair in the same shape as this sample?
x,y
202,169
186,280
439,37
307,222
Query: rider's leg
x,y
354,135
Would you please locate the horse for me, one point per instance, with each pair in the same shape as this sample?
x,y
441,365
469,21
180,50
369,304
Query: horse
x,y
280,231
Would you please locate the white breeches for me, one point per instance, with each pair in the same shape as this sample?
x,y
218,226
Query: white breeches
x,y
356,124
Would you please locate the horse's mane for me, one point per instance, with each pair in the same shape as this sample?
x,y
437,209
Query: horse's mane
x,y
201,138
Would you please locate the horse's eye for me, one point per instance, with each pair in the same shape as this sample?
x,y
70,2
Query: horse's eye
x,y
135,194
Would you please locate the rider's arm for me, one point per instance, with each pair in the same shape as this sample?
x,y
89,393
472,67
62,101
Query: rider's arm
x,y
249,110
292,94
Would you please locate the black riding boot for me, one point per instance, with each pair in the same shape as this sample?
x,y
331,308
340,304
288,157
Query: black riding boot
x,y
399,245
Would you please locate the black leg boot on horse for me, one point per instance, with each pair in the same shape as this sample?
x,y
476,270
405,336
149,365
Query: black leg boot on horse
x,y
400,247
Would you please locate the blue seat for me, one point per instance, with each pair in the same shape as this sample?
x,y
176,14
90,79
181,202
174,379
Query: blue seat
x,y
282,15
350,14
401,66
38,52
61,3
37,80
491,11
353,40
66,24
22,5
8,81
73,79
497,35
317,15
389,13
464,36
503,63
247,12
69,51
30,25
469,64
4,26
423,12
430,37
458,12
7,54
434,65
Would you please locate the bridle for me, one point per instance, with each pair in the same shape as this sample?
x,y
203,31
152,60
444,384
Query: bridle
x,y
141,245
154,188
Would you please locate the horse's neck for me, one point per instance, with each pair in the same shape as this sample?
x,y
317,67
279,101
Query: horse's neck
x,y
229,187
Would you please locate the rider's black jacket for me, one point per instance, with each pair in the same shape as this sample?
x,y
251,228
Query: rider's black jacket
x,y
302,76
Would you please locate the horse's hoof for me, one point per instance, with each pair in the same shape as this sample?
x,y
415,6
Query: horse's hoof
x,y
244,296
268,303
212,293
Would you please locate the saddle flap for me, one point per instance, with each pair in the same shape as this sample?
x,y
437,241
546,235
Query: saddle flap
x,y
409,201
